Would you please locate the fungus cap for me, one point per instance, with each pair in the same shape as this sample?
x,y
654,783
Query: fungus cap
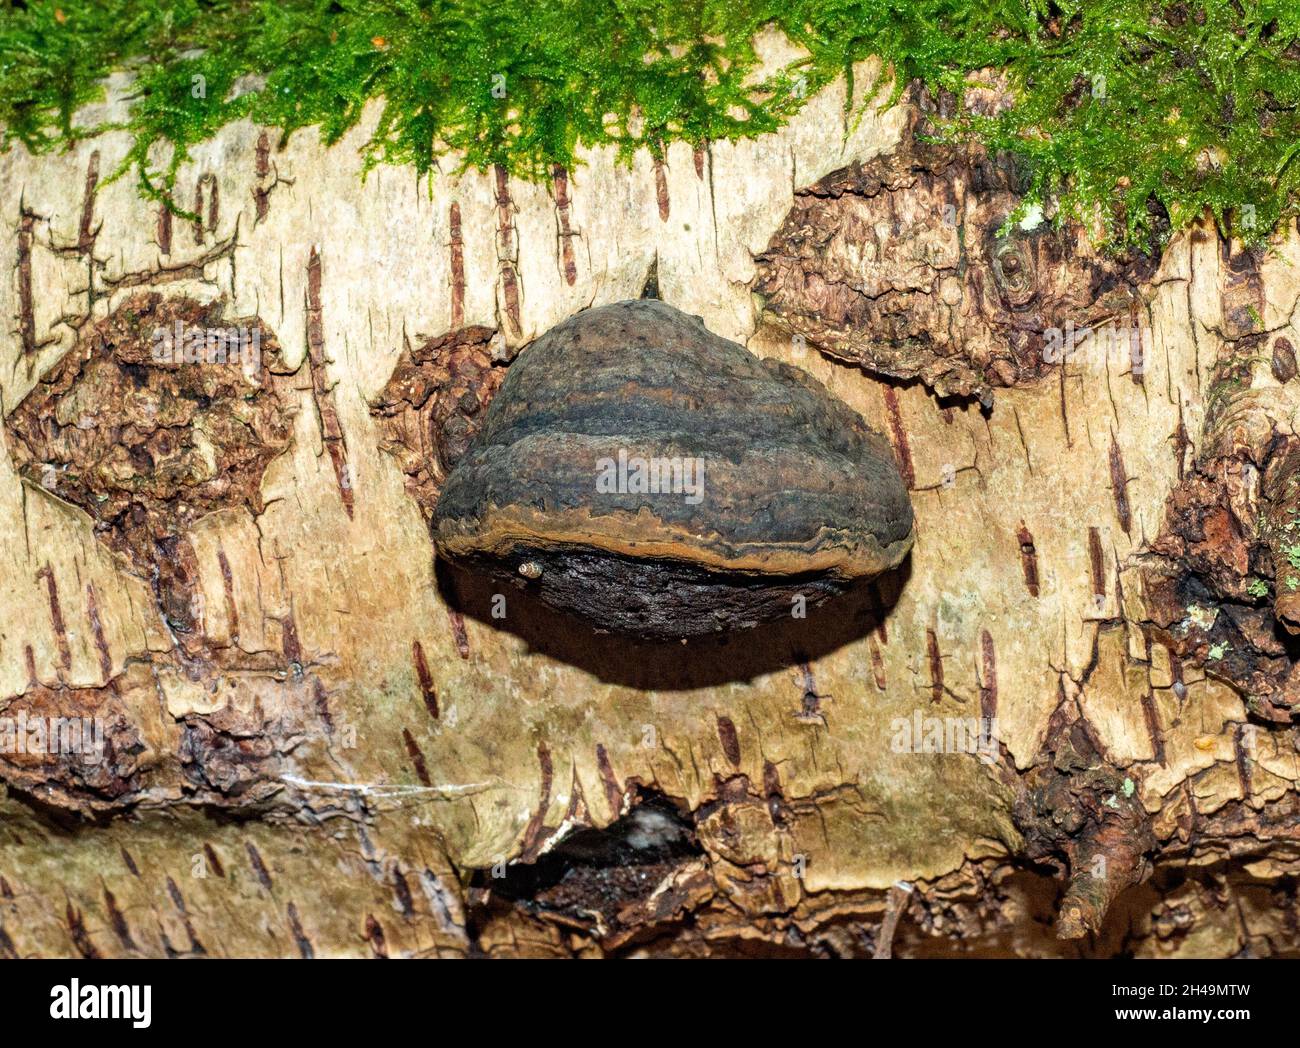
x,y
660,480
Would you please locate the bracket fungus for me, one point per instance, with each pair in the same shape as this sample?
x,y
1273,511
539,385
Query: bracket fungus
x,y
662,481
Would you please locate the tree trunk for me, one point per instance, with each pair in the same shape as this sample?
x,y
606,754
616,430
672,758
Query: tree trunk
x,y
1064,727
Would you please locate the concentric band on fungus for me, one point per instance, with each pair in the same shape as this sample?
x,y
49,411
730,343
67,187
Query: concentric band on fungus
x,y
792,494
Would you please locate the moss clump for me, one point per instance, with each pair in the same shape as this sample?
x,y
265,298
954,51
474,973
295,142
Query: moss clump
x,y
1133,115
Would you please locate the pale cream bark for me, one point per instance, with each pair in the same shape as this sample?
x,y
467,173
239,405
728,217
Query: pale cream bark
x,y
322,762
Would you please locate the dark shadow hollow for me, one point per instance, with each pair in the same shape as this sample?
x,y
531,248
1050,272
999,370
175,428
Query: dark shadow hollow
x,y
654,665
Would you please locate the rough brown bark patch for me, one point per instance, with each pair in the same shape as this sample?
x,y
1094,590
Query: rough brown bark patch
x,y
434,404
899,265
145,447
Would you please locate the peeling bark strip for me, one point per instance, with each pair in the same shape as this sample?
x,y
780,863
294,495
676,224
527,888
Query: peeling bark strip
x,y
305,947
403,892
56,616
729,739
576,798
322,393
1181,443
425,678
699,162
78,934
1242,758
569,266
228,587
197,223
613,791
213,860
878,610
1176,674
458,632
262,158
1151,716
26,307
457,270
85,231
1119,484
898,437
178,900
1097,563
777,807
213,207
97,629
375,936
259,867
532,841
1028,558
508,248
1136,371
988,678
1284,362
936,666
118,920
262,170
164,233
417,758
877,664
289,643
322,702
810,698
661,189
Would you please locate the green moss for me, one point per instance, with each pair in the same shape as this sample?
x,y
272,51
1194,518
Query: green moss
x,y
1127,112
1257,588
1292,553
